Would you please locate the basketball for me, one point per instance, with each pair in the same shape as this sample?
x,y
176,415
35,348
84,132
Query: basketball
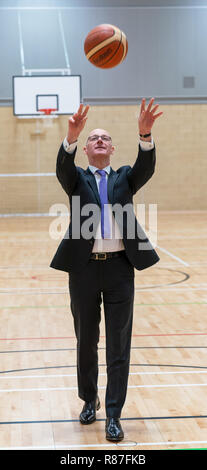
x,y
106,46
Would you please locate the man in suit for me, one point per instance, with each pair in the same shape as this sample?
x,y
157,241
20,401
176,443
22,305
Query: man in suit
x,y
100,250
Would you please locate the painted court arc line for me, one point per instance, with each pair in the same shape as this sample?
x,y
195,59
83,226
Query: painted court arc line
x,y
52,376
102,365
170,284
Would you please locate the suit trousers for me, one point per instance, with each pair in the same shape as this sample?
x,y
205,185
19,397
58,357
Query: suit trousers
x,y
110,281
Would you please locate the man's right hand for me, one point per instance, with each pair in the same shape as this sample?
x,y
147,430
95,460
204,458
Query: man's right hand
x,y
76,123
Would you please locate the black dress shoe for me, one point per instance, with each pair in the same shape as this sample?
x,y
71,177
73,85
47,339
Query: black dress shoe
x,y
88,413
114,431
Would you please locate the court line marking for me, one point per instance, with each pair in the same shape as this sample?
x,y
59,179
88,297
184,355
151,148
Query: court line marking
x,y
55,389
102,374
101,348
40,290
103,365
133,336
172,256
117,445
76,420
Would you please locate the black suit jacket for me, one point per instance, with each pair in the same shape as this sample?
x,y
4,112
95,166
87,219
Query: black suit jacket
x,y
74,250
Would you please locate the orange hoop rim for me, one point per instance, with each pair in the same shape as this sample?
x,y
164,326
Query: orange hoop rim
x,y
48,111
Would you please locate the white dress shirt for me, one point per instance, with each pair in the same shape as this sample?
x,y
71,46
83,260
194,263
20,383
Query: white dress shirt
x,y
115,243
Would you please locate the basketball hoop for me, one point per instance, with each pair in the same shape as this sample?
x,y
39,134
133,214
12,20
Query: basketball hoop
x,y
48,111
48,116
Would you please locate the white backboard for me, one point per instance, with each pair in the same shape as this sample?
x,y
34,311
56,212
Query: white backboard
x,y
33,93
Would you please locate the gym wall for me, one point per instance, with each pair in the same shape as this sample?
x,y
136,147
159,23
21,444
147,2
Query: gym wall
x,y
179,182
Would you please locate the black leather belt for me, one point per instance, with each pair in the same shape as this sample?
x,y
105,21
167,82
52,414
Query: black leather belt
x,y
104,256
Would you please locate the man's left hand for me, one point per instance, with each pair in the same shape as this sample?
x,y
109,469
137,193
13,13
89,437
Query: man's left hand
x,y
147,116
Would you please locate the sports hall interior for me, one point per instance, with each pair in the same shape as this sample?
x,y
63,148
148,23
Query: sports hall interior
x,y
166,400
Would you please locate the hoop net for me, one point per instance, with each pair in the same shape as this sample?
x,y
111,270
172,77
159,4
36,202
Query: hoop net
x,y
48,116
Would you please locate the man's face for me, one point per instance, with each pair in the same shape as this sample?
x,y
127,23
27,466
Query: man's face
x,y
99,147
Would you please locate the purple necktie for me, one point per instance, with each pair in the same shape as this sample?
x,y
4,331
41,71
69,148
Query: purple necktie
x,y
105,223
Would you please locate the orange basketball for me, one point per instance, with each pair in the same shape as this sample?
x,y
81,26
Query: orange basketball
x,y
106,46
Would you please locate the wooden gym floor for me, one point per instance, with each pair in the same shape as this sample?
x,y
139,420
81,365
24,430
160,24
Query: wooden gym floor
x,y
166,406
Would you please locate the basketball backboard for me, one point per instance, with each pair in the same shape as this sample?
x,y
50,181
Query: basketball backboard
x,y
31,94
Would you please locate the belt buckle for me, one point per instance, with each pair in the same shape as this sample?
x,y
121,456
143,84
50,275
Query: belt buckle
x,y
101,256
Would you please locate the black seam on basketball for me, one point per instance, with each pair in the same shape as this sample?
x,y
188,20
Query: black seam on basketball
x,y
120,42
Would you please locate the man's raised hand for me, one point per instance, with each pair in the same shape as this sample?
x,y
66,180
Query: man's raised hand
x,y
147,116
76,123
